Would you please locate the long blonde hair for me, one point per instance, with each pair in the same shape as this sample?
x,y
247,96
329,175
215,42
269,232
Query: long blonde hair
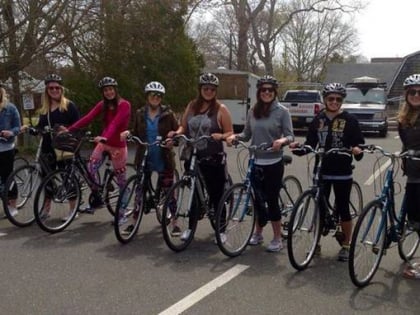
x,y
407,115
3,98
46,102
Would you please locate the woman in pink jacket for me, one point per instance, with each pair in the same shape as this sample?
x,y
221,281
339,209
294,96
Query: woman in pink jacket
x,y
115,113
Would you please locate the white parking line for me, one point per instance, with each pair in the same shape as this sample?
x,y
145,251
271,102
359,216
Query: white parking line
x,y
205,290
378,172
2,234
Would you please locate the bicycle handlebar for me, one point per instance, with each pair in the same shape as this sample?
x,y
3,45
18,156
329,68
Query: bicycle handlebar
x,y
262,147
193,141
372,148
159,141
309,149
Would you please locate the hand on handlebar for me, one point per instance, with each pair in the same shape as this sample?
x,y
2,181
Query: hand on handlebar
x,y
99,139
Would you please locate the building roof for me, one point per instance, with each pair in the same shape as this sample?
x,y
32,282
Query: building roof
x,y
345,72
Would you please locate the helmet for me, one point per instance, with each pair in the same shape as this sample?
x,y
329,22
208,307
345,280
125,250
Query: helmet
x,y
208,78
267,79
53,78
107,81
413,79
154,86
336,88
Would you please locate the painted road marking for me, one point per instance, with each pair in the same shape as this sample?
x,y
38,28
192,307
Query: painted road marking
x,y
2,234
379,171
205,290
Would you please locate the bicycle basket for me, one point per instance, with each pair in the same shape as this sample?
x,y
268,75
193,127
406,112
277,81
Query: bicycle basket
x,y
66,141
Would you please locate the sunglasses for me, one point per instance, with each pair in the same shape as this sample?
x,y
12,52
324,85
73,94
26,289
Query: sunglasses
x,y
335,99
156,94
207,88
413,92
267,90
52,88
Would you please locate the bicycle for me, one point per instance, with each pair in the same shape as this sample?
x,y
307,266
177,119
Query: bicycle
x,y
379,225
305,225
139,196
235,216
191,202
26,179
63,186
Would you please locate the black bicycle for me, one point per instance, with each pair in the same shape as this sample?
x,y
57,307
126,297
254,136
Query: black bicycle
x,y
139,196
58,198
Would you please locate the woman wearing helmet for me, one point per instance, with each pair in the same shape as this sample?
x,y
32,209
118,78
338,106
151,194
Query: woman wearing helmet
x,y
115,113
150,121
56,111
409,131
268,122
9,129
205,115
335,128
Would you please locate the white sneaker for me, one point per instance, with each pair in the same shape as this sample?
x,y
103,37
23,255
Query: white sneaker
x,y
13,211
275,246
256,239
186,235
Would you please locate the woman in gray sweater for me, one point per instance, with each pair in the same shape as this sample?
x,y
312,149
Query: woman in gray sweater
x,y
268,122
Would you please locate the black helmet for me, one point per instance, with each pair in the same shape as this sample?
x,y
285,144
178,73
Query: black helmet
x,y
53,78
208,78
107,81
413,79
336,88
267,79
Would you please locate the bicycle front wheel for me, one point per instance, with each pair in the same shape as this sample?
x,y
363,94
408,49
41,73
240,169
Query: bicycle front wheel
x,y
408,243
178,221
235,220
57,201
356,200
129,210
162,197
24,181
111,193
368,243
303,230
289,192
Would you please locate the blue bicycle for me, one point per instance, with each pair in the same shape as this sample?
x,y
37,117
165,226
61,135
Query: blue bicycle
x,y
379,225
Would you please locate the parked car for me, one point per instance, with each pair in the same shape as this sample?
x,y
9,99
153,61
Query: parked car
x,y
303,106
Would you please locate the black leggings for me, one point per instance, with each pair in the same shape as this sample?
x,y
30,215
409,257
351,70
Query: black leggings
x,y
266,181
342,190
6,168
412,202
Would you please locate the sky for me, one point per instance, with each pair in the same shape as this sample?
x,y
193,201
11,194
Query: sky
x,y
389,28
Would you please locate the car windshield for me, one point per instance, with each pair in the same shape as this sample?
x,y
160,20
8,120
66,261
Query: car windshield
x,y
304,97
373,96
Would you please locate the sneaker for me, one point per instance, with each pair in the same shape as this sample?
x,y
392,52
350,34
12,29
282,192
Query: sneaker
x,y
67,217
186,235
13,211
223,239
343,254
176,231
274,246
128,230
256,239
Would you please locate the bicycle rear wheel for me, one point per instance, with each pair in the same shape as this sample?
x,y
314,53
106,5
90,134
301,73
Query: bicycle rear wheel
x,y
289,193
111,193
235,220
57,201
367,244
356,200
303,230
26,179
129,210
408,243
178,222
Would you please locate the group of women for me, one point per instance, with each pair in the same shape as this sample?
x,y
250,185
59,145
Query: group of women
x,y
267,122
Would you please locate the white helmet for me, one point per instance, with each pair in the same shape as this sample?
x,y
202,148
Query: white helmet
x,y
154,86
413,79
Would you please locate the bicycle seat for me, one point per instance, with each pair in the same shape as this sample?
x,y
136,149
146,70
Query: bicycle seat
x,y
287,159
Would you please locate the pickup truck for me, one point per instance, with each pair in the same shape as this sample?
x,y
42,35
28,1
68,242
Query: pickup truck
x,y
303,106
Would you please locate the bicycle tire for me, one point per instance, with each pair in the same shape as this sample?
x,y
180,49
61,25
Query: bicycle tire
x,y
235,220
60,186
304,223
180,215
19,161
370,225
129,210
408,243
26,179
162,197
111,193
356,200
289,193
